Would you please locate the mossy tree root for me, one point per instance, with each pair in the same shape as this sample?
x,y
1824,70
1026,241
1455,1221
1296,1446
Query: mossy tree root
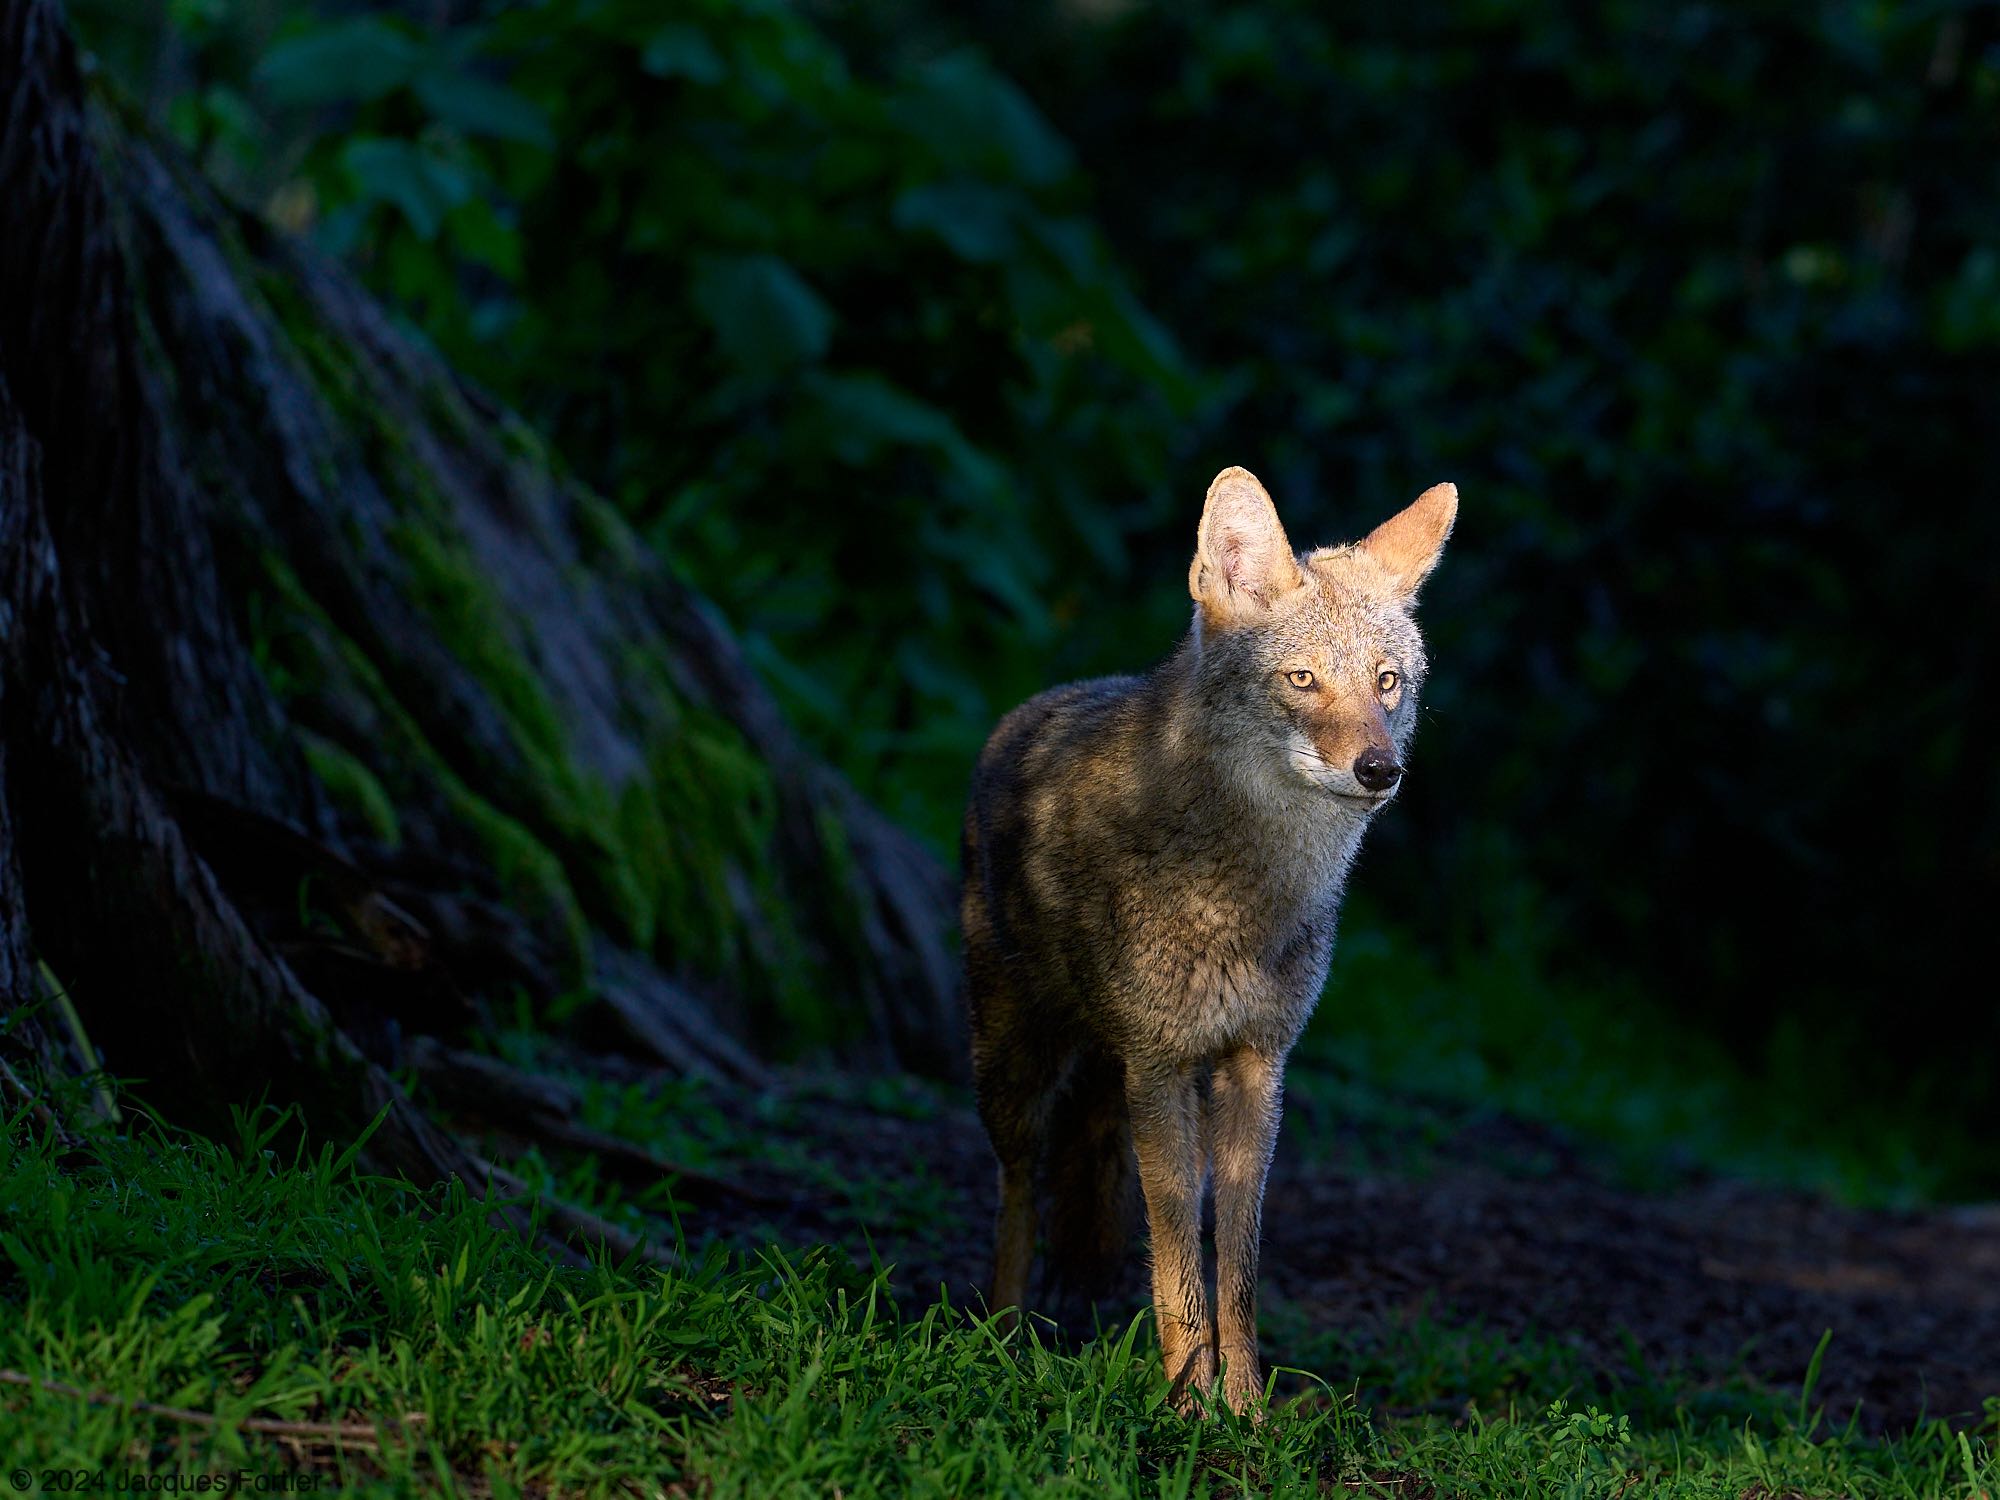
x,y
331,710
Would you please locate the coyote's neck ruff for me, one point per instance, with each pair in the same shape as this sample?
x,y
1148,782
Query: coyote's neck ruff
x,y
1152,870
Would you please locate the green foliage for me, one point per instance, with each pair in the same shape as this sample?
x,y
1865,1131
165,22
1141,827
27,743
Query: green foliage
x,y
247,1280
1698,306
847,310
846,347
852,328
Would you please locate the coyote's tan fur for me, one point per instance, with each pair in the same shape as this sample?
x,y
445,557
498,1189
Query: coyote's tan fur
x,y
1152,870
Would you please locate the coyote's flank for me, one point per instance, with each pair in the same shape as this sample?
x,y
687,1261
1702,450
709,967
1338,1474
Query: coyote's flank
x,y
1152,870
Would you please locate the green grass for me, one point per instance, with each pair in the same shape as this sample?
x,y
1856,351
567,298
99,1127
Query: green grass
x,y
681,1121
253,1281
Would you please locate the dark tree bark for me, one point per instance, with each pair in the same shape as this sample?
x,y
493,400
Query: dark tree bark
x,y
27,1056
330,707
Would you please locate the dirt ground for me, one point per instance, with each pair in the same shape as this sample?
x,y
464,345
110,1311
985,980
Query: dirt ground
x,y
1505,1227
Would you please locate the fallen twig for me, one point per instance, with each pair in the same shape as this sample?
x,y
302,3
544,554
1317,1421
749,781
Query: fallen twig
x,y
34,1102
364,1433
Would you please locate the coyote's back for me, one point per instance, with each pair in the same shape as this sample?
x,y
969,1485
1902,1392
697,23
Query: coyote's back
x,y
1041,1076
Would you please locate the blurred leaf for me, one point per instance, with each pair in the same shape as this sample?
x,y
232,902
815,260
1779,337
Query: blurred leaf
x,y
1007,574
196,16
477,107
346,62
423,187
765,317
867,411
680,51
977,121
976,221
482,237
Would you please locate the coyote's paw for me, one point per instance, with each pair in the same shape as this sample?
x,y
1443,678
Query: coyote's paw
x,y
1243,1386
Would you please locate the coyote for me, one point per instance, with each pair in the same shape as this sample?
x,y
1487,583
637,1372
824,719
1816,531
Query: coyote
x,y
1152,869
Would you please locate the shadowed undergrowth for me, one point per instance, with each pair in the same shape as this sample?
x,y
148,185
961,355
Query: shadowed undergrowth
x,y
1407,1043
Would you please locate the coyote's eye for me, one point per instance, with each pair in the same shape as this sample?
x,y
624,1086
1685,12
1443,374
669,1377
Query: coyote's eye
x,y
1301,679
1386,681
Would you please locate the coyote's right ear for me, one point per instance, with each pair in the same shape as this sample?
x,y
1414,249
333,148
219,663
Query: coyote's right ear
x,y
1408,543
1242,561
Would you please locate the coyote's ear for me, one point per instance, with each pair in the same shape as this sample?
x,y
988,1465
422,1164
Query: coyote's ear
x,y
1408,543
1242,561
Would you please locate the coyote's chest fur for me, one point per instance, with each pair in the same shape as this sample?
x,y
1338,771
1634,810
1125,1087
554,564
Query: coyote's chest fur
x,y
1216,946
1146,897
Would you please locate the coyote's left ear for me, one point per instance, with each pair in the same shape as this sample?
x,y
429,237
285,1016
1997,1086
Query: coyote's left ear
x,y
1407,545
1242,562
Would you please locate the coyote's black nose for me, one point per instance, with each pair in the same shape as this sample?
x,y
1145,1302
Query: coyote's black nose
x,y
1377,770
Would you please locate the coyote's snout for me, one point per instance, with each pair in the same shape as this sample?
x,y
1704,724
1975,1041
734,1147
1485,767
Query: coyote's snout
x,y
1152,870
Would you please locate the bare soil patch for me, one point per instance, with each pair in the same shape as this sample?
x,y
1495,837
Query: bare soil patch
x,y
1506,1226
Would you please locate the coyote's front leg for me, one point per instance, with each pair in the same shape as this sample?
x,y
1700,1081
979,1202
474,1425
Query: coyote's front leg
x,y
1244,1108
1166,1131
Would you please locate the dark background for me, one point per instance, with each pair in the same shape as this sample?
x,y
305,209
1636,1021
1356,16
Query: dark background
x,y
913,333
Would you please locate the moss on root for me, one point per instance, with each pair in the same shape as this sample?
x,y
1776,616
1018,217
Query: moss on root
x,y
353,787
680,860
316,658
